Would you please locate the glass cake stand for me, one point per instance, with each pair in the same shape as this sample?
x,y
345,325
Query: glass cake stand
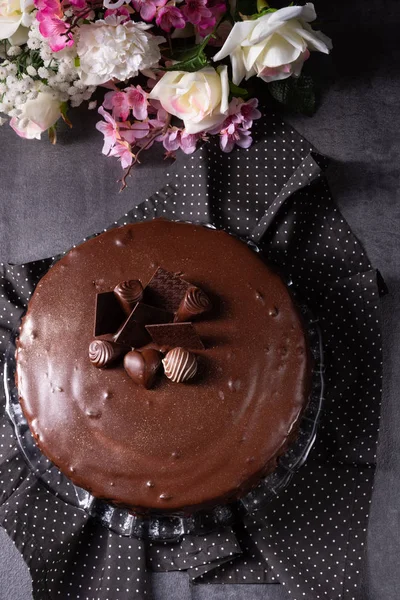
x,y
171,527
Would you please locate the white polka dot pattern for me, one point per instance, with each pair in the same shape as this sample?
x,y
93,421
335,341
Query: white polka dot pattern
x,y
311,537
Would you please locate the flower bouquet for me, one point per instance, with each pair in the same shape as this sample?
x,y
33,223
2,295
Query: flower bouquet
x,y
173,71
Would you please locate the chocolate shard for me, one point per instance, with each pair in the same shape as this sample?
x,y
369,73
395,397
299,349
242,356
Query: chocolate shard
x,y
172,335
165,290
128,293
142,366
194,303
133,331
109,315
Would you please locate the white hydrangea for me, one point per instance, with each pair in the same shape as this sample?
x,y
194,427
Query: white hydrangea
x,y
110,49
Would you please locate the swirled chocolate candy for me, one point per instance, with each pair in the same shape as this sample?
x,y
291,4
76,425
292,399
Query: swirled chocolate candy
x,y
102,353
174,446
194,303
180,365
128,293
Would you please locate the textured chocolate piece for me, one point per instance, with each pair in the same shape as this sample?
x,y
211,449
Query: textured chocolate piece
x,y
172,335
194,303
108,314
103,353
128,293
133,331
180,365
142,366
166,290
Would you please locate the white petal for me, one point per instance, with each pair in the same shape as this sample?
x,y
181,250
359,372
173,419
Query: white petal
x,y
8,26
238,66
223,73
307,13
277,77
207,123
293,36
262,30
239,33
279,52
316,40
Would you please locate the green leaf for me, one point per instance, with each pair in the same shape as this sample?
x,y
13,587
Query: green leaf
x,y
263,12
77,61
237,91
296,93
193,59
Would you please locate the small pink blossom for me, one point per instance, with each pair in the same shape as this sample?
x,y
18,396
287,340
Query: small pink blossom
x,y
169,17
122,150
206,25
52,26
118,103
109,128
178,138
147,8
234,136
245,112
118,12
78,4
136,131
196,11
137,100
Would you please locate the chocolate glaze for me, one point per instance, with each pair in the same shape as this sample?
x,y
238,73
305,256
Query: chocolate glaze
x,y
171,447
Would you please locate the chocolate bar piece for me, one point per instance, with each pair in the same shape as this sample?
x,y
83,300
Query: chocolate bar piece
x,y
108,315
172,335
133,332
165,290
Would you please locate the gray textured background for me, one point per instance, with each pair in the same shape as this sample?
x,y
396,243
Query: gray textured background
x,y
51,197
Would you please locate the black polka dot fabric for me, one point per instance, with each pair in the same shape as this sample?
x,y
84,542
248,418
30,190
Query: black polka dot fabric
x,y
311,537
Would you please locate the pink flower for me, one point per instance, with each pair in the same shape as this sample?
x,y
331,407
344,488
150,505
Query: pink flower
x,y
178,138
109,129
169,17
78,4
136,131
118,103
245,112
147,8
118,12
196,11
207,24
121,103
234,135
52,26
137,100
122,150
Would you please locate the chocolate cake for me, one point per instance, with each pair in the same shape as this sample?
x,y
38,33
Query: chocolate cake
x,y
163,366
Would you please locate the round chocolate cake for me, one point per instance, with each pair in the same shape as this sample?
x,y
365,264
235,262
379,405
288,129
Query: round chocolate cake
x,y
163,366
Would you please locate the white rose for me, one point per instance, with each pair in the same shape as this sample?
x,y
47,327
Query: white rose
x,y
200,99
109,49
37,116
275,45
15,19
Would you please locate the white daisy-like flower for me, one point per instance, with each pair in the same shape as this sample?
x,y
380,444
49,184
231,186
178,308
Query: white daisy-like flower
x,y
110,49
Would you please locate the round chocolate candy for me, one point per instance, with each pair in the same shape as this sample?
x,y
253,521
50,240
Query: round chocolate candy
x,y
180,365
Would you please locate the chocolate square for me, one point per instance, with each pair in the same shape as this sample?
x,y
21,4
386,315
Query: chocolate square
x,y
165,290
108,315
172,335
133,332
